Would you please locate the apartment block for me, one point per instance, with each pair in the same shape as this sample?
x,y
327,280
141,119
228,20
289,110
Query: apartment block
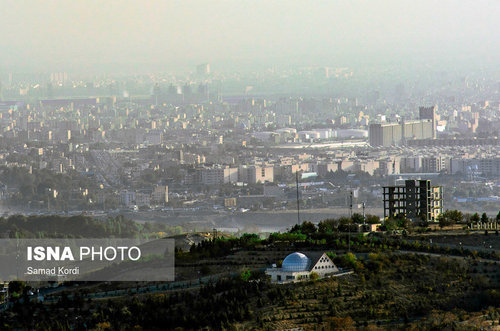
x,y
416,200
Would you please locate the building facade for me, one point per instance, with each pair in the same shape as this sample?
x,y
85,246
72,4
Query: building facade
x,y
160,194
219,175
299,266
416,200
430,114
394,134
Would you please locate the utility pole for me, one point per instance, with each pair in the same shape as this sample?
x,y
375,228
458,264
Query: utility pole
x,y
363,213
349,225
48,200
350,206
298,203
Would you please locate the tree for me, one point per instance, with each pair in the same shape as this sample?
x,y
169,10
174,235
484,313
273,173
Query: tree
x,y
341,323
498,216
313,276
403,222
349,260
346,224
450,217
475,218
345,220
372,219
484,218
308,228
455,215
357,218
328,225
245,275
390,224
16,286
443,221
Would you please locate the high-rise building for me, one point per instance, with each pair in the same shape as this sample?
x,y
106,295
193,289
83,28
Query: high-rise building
x,y
435,164
391,134
420,129
256,174
385,134
429,113
203,69
416,200
160,194
218,175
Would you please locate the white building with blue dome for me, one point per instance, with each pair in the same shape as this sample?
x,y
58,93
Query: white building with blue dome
x,y
299,266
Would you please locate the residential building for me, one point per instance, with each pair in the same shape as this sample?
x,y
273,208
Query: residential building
x,y
219,175
394,134
430,114
256,174
416,200
160,194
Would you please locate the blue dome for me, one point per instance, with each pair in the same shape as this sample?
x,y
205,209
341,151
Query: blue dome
x,y
296,262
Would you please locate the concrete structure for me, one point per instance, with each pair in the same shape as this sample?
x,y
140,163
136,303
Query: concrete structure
x,y
411,164
299,266
160,194
492,141
385,134
229,202
143,198
416,200
393,134
127,197
324,168
435,164
256,174
429,113
219,175
420,129
489,166
203,69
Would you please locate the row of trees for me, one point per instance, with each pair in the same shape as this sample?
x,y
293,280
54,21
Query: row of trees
x,y
332,225
308,237
450,217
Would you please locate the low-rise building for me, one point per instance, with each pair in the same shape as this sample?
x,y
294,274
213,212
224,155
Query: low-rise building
x,y
299,266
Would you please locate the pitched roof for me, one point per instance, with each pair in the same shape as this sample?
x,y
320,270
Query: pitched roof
x,y
314,256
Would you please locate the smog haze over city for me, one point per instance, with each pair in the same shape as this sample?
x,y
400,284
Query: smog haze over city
x,y
63,35
249,165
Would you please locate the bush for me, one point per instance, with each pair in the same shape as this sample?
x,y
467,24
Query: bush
x,y
349,260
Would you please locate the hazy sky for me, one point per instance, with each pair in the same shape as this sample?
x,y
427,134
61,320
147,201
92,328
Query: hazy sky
x,y
74,32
